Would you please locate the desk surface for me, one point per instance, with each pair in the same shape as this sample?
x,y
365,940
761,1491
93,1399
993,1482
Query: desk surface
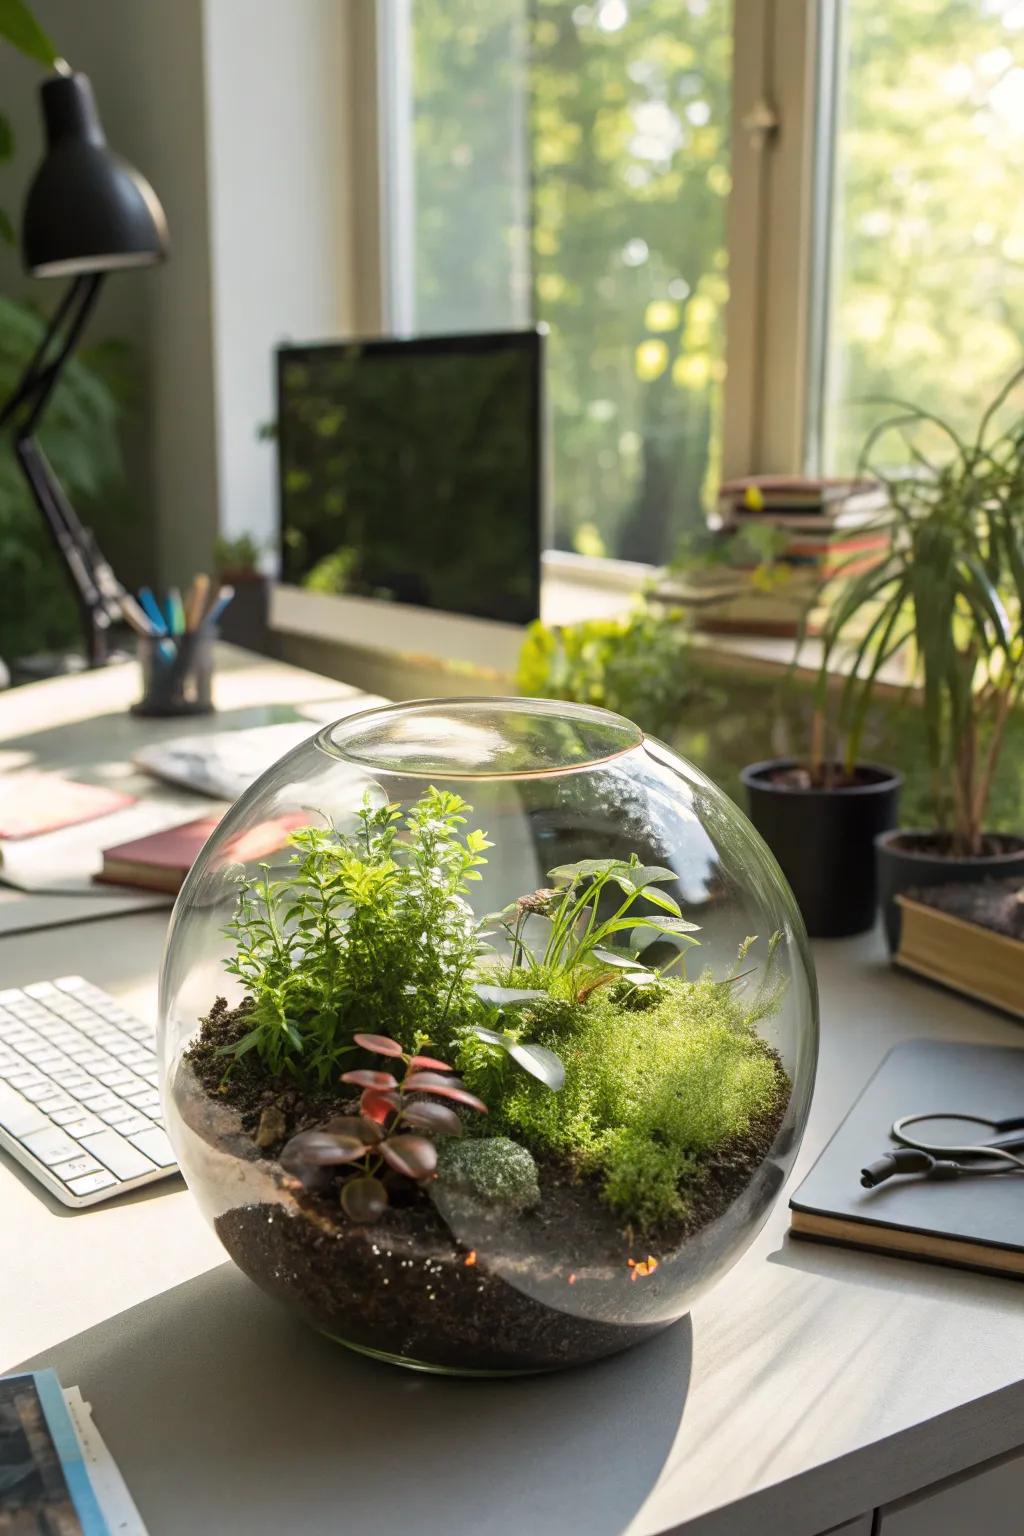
x,y
809,1385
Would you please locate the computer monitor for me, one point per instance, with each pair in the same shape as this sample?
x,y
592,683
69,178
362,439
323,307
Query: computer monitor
x,y
411,473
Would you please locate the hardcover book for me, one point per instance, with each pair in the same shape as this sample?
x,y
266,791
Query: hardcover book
x,y
974,1222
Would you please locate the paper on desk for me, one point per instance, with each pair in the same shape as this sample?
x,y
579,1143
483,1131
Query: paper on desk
x,y
224,763
63,863
116,1503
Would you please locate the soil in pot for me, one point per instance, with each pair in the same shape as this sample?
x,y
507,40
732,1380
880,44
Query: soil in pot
x,y
918,860
479,1288
822,829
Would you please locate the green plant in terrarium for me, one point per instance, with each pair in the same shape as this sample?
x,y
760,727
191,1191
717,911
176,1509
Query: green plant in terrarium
x,y
587,1043
486,1101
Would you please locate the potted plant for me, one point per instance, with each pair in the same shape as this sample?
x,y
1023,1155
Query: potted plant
x,y
951,590
482,1135
245,620
821,814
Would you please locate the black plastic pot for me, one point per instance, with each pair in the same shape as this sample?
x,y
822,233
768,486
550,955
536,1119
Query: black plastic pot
x,y
824,840
245,619
907,861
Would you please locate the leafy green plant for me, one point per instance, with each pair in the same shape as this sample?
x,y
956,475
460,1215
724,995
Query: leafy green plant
x,y
577,1040
19,28
636,665
648,1090
578,937
367,932
80,435
79,432
950,590
239,556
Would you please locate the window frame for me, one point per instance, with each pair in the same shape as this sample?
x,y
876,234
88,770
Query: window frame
x,y
785,61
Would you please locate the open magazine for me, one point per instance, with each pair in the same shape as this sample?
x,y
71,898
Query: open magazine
x,y
57,1477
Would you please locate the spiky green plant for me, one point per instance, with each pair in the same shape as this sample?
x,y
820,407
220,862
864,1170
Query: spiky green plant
x,y
950,590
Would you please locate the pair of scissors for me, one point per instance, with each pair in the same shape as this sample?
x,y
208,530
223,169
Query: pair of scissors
x,y
998,1153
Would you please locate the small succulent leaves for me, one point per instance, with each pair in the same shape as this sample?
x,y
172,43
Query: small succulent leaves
x,y
309,1155
427,1116
363,1078
362,1127
364,1199
413,1156
377,1104
538,1060
379,1045
445,1087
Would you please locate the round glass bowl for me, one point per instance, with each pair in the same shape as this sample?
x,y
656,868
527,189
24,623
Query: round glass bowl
x,y
488,1033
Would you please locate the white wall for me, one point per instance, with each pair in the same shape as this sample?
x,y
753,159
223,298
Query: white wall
x,y
277,92
238,112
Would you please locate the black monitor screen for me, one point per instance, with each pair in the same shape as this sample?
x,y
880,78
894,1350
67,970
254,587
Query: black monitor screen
x,y
411,471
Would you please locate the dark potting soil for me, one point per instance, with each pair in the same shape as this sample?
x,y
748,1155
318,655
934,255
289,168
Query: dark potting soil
x,y
939,845
829,776
483,1290
994,904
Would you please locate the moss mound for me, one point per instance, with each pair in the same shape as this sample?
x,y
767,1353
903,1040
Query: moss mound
x,y
648,1091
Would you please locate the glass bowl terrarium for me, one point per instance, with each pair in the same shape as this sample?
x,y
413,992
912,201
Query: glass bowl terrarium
x,y
488,1032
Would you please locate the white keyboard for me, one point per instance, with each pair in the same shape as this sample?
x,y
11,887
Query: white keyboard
x,y
79,1102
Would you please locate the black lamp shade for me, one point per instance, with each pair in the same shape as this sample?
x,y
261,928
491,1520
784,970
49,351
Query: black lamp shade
x,y
87,210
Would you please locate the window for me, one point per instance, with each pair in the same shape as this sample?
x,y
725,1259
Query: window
x,y
570,165
928,213
835,183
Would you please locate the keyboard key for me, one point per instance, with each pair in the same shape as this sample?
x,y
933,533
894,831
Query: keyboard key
x,y
39,1095
117,1114
24,1080
55,1101
98,1099
85,1125
137,1122
116,1077
148,1100
117,1154
154,1144
50,1145
91,1182
17,1115
76,1166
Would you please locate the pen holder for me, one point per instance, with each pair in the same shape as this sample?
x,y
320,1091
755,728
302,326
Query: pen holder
x,y
177,672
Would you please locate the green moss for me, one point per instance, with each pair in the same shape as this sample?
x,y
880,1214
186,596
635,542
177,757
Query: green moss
x,y
647,1092
492,1168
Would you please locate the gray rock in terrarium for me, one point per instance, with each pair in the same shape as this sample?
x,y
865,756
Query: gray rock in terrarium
x,y
459,1071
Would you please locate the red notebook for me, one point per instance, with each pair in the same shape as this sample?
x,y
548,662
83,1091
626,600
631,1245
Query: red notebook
x,y
32,803
161,861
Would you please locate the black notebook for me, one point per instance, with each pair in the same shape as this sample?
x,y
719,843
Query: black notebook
x,y
975,1222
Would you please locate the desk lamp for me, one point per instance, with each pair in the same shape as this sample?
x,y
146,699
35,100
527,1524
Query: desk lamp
x,y
87,213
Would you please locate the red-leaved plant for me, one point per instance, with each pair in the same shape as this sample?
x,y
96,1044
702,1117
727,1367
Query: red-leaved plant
x,y
386,1135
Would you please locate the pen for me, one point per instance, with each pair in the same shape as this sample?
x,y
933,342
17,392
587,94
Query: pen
x,y
175,612
221,601
135,616
199,592
152,609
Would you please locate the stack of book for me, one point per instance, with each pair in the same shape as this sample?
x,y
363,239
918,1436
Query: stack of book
x,y
782,539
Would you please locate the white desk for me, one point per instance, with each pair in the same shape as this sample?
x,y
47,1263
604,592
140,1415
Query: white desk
x,y
810,1386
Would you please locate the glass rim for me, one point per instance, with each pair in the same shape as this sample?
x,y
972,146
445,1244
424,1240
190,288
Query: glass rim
x,y
332,738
